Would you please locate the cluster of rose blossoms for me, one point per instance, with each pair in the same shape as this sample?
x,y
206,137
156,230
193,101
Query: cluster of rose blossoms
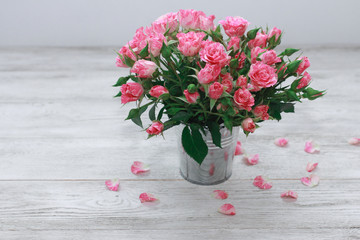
x,y
238,68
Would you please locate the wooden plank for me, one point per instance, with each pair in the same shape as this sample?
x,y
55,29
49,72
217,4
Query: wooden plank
x,y
51,207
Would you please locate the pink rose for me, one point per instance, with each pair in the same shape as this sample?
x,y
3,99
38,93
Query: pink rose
x,y
139,41
234,43
241,81
165,22
261,111
228,85
206,23
274,32
190,43
155,41
241,59
144,68
243,99
131,92
234,26
124,51
248,125
216,90
270,57
214,53
155,129
258,41
262,75
252,88
157,91
209,73
304,81
191,97
255,53
189,19
305,63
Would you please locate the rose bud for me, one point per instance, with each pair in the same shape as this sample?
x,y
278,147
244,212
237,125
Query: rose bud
x,y
157,91
248,125
216,90
144,68
131,92
261,111
192,88
191,97
155,129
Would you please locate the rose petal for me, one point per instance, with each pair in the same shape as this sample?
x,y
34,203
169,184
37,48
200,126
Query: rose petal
x,y
227,209
311,166
311,147
262,183
289,194
112,185
252,160
139,167
220,194
354,141
311,181
238,149
281,142
147,197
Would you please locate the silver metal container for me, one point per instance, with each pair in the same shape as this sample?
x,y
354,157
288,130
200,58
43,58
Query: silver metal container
x,y
217,165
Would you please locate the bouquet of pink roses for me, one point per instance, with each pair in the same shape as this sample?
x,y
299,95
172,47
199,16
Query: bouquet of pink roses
x,y
186,68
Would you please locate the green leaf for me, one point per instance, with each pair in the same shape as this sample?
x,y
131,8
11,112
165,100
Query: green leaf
x,y
218,29
165,51
128,61
295,84
275,111
160,114
293,66
228,123
215,133
172,42
145,51
194,144
152,113
252,33
164,96
292,95
287,107
118,95
121,81
234,63
133,113
181,116
212,103
313,94
289,52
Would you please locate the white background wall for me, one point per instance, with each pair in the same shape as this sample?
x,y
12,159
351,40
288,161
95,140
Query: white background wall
x,y
113,22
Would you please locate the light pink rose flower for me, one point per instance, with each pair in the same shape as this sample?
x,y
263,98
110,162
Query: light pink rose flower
x,y
255,53
248,125
234,43
243,99
216,90
258,41
261,111
206,23
262,75
139,40
155,41
189,19
209,74
191,97
241,81
214,53
157,91
270,57
304,81
234,26
165,22
124,51
144,68
131,92
241,59
305,63
274,32
228,85
190,43
155,129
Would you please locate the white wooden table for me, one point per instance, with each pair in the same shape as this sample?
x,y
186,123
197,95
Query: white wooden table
x,y
62,135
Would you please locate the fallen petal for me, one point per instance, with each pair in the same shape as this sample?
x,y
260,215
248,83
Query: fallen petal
x,y
354,141
227,209
220,194
311,166
281,142
112,185
262,183
238,149
311,181
311,147
253,160
289,194
139,167
147,197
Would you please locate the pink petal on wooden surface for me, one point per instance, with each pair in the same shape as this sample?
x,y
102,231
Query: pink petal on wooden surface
x,y
281,142
311,167
139,167
220,194
354,141
112,185
311,181
262,183
289,194
238,149
252,160
311,147
227,209
147,197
